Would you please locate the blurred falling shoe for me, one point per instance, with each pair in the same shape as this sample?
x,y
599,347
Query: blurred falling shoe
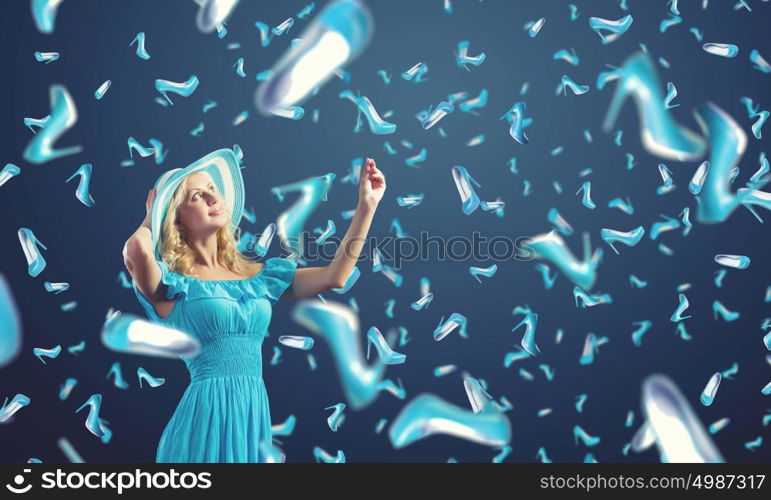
x,y
660,133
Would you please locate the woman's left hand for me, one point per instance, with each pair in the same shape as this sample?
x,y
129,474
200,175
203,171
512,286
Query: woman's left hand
x,y
372,184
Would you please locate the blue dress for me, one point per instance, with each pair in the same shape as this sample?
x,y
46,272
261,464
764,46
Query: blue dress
x,y
224,414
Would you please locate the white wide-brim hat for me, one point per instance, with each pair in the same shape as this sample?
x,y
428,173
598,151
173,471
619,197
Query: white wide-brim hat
x,y
222,166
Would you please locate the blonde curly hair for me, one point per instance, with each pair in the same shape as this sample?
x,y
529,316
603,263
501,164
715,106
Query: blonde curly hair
x,y
178,255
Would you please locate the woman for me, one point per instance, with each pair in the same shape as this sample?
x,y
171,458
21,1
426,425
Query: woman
x,y
188,274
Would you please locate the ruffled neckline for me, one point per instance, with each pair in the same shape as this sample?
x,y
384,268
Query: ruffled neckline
x,y
223,281
273,279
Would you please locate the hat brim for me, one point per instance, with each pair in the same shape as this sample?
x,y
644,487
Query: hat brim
x,y
222,166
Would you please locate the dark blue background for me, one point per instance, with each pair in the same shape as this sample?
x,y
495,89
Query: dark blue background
x,y
85,243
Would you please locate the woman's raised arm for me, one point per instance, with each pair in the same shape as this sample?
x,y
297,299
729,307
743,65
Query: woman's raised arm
x,y
139,258
311,281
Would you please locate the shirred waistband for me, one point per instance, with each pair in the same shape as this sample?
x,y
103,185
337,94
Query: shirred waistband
x,y
227,356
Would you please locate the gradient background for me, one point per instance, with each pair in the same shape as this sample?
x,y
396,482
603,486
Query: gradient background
x,y
85,244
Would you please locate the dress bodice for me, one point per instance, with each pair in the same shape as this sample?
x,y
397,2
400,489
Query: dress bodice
x,y
229,318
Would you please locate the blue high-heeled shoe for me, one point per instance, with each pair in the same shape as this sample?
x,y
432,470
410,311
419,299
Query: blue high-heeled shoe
x,y
339,326
8,409
35,261
82,193
92,421
10,170
185,89
387,355
151,381
291,222
64,115
428,414
116,372
444,328
661,135
331,41
422,302
140,41
468,196
727,142
552,247
364,106
579,433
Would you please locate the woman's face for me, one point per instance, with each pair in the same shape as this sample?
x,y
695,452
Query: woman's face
x,y
202,211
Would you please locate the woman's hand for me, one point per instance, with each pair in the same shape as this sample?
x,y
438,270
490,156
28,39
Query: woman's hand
x,y
149,208
372,184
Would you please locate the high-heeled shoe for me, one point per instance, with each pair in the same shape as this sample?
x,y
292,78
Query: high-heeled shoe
x,y
719,309
337,418
116,372
462,59
332,40
377,261
44,14
35,261
185,89
579,433
528,339
387,355
516,117
322,455
10,170
396,228
339,326
129,333
584,300
82,193
396,389
291,222
8,409
468,196
263,243
591,348
629,238
66,388
422,302
661,135
444,328
553,248
142,374
441,110
428,414
586,200
64,115
140,41
92,421
376,124
727,141
488,272
672,425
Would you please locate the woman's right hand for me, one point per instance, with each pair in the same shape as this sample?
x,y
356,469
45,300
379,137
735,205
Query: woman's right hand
x,y
149,208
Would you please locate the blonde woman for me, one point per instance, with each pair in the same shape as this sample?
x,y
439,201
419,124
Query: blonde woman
x,y
188,274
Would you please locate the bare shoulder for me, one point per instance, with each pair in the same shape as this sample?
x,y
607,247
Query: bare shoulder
x,y
256,267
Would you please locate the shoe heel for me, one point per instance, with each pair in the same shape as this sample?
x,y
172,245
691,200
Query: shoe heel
x,y
37,241
619,98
